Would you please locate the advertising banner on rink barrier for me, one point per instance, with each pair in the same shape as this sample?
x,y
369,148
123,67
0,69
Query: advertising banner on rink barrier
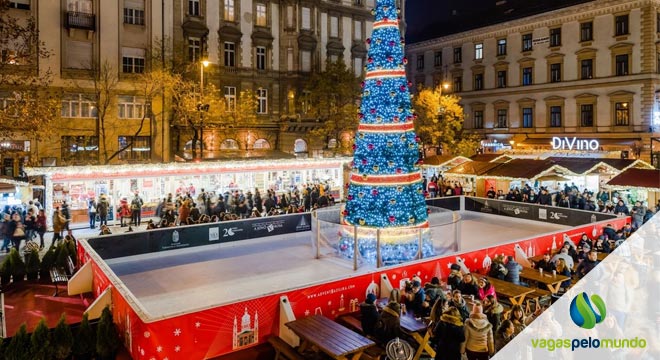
x,y
221,330
521,210
180,237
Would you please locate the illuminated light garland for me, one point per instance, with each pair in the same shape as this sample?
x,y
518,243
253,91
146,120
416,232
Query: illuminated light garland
x,y
393,127
373,74
385,23
385,180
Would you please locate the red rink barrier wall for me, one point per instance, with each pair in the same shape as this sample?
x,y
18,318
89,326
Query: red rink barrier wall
x,y
223,329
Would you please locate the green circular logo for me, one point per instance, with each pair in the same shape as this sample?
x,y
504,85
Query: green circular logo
x,y
583,313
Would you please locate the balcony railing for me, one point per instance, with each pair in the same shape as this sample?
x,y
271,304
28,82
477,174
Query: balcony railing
x,y
79,20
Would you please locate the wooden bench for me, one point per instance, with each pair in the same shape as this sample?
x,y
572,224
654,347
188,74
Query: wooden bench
x,y
351,322
60,275
373,353
282,348
544,296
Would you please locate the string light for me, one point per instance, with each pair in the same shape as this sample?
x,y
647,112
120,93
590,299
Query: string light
x,y
385,189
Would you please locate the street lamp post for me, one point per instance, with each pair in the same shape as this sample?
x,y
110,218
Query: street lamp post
x,y
202,107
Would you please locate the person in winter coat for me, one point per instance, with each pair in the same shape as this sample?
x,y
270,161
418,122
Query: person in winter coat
x,y
433,291
479,344
184,211
485,288
493,310
390,322
58,225
638,214
458,302
41,227
102,208
621,208
449,335
369,315
504,334
455,276
497,268
469,286
513,271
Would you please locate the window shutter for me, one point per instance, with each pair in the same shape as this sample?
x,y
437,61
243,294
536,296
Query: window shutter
x,y
134,4
79,55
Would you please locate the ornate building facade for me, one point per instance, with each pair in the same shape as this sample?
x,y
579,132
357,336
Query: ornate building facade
x,y
588,71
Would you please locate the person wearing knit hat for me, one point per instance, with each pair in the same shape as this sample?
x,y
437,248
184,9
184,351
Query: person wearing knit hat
x,y
455,276
478,335
369,315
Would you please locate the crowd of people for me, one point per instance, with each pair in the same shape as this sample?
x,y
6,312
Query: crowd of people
x,y
185,208
464,314
22,223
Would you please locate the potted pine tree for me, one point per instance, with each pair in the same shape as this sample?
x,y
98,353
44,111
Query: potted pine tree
x,y
84,345
17,266
107,338
47,263
5,271
19,346
40,343
62,339
32,265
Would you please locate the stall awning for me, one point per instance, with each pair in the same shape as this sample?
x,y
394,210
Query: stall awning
x,y
444,160
472,168
648,179
499,158
7,188
525,169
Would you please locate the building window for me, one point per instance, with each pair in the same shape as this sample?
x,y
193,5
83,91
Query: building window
x,y
334,27
478,51
587,115
420,62
621,65
458,55
357,66
136,148
132,60
478,81
528,117
229,10
357,32
658,64
261,15
527,76
306,61
20,4
555,37
555,116
501,79
261,58
306,101
194,49
478,119
501,47
289,16
80,149
131,107
586,69
527,42
502,115
230,54
587,31
621,25
306,19
230,98
621,114
78,106
458,83
555,72
262,101
193,8
437,59
134,15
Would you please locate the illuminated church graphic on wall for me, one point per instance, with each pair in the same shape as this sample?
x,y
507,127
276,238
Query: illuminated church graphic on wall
x,y
247,335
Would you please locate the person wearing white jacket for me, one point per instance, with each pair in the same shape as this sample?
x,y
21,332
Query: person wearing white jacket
x,y
478,343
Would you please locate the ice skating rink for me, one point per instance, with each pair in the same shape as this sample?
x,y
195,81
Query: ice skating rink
x,y
180,281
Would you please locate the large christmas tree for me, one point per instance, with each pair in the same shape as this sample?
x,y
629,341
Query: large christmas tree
x,y
385,188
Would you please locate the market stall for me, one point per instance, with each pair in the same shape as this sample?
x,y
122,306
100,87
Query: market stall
x,y
78,184
636,184
13,192
438,164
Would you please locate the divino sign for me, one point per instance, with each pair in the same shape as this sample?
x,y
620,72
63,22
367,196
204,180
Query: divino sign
x,y
565,143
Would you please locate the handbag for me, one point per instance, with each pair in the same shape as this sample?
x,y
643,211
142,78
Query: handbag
x,y
19,232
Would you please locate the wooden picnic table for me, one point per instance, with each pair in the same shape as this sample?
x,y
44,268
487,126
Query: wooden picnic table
x,y
553,282
328,336
600,256
418,330
515,293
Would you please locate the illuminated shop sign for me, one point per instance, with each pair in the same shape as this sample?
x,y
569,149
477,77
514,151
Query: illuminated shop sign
x,y
574,143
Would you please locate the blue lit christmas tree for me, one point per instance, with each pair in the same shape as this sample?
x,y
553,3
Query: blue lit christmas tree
x,y
385,189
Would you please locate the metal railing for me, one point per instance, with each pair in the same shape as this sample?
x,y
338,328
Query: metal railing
x,y
80,20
